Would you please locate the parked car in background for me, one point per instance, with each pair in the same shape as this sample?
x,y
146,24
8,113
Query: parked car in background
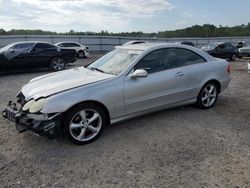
x,y
185,43
134,42
241,44
81,50
222,50
188,43
35,55
127,82
244,52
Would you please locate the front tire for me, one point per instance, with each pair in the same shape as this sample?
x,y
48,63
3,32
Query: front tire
x,y
84,123
57,64
207,96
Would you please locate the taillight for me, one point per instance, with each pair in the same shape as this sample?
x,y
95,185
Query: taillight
x,y
229,69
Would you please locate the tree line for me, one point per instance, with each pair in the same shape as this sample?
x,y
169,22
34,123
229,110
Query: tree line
x,y
206,30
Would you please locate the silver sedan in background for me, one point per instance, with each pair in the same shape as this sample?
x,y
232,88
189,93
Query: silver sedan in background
x,y
127,82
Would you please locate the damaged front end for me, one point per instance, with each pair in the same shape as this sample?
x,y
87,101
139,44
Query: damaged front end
x,y
39,123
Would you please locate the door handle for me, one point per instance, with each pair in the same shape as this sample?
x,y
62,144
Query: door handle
x,y
178,74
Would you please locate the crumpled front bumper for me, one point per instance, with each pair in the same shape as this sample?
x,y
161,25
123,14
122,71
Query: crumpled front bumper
x,y
41,124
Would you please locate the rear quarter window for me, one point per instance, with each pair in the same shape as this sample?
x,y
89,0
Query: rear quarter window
x,y
188,57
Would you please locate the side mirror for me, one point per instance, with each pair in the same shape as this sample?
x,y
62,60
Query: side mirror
x,y
139,73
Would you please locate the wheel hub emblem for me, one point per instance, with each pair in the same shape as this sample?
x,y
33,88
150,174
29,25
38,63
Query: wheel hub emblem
x,y
84,124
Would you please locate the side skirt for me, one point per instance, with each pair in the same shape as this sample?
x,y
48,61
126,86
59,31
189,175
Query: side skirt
x,y
160,108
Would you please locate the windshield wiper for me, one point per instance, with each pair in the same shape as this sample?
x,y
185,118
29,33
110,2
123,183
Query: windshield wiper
x,y
94,68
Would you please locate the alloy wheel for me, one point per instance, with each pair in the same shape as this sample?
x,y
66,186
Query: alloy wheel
x,y
209,95
85,125
58,64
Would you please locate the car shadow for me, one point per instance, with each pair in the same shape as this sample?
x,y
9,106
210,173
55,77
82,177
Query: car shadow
x,y
29,71
137,123
22,71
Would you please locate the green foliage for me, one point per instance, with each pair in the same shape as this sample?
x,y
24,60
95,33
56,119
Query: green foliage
x,y
206,30
26,32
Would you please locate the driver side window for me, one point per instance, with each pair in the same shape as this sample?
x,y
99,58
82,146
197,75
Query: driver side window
x,y
160,60
152,62
221,46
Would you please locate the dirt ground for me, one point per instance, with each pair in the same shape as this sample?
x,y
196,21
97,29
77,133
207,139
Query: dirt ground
x,y
180,147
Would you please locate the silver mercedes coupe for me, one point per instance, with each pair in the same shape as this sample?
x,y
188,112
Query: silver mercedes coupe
x,y
127,82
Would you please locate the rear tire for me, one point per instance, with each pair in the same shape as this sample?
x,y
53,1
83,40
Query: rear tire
x,y
234,57
84,123
81,54
207,96
57,64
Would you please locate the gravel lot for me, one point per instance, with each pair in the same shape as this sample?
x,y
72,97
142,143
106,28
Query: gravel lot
x,y
180,147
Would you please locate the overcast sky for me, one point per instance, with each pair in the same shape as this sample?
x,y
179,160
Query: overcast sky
x,y
120,15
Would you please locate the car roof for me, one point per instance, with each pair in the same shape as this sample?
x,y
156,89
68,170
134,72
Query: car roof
x,y
216,43
148,45
134,42
25,42
67,42
221,43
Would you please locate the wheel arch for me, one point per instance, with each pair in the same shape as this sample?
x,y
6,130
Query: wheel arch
x,y
217,83
57,57
198,99
80,50
94,102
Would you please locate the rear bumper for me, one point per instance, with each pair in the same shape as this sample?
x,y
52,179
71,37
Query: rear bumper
x,y
86,54
71,60
225,83
40,124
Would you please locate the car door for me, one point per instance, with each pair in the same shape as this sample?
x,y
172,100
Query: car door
x,y
19,55
220,51
228,50
41,54
165,84
74,46
69,45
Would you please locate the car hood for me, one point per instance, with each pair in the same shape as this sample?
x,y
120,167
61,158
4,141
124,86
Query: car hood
x,y
3,51
53,83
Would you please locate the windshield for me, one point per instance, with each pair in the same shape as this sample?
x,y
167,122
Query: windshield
x,y
115,62
6,47
18,47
